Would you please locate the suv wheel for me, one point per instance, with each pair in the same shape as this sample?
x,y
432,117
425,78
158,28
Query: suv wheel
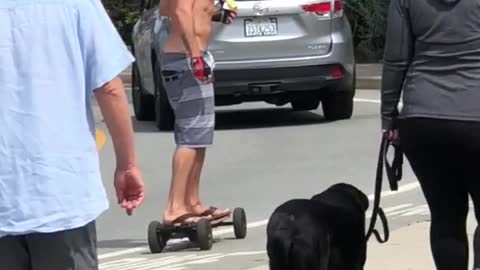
x,y
143,103
338,106
305,104
164,117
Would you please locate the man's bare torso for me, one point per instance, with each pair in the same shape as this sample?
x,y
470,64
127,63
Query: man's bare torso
x,y
203,11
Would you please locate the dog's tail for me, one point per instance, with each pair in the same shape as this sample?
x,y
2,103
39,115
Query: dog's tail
x,y
292,251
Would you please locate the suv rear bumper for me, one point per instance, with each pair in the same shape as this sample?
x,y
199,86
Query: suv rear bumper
x,y
270,76
275,80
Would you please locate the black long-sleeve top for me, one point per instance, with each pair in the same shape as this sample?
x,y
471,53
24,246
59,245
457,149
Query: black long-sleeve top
x,y
432,57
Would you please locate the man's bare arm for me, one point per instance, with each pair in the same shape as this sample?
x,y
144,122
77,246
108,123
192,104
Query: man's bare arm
x,y
114,107
183,17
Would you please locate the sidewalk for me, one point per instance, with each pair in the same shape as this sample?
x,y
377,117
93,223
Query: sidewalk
x,y
368,76
408,249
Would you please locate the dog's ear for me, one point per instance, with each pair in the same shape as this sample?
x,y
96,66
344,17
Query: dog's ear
x,y
357,194
365,201
362,199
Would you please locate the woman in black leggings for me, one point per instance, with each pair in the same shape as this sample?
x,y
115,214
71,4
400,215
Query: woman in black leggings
x,y
432,57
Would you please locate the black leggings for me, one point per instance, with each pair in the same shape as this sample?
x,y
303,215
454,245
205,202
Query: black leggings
x,y
445,157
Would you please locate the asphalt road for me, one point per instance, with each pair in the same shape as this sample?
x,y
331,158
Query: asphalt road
x,y
263,155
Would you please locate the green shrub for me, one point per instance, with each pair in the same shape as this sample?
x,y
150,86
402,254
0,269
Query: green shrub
x,y
124,14
368,20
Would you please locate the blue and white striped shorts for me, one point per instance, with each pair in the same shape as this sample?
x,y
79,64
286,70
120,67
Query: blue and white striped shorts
x,y
192,101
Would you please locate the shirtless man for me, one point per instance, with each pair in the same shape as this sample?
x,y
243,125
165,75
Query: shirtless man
x,y
187,77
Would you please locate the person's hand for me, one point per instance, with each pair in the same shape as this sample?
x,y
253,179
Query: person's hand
x,y
129,188
201,69
226,13
229,16
393,136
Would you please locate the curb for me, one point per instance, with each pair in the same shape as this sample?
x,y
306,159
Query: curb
x,y
369,83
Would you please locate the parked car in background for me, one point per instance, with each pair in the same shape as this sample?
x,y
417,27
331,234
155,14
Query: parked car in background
x,y
277,51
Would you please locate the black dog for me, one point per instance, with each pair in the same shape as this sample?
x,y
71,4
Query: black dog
x,y
326,232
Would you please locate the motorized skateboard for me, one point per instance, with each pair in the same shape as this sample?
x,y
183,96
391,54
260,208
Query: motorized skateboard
x,y
200,232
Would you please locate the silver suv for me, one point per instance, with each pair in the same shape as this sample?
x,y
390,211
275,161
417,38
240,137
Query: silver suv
x,y
277,51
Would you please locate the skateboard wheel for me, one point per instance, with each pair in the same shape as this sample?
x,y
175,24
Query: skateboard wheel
x,y
204,234
155,241
239,223
192,237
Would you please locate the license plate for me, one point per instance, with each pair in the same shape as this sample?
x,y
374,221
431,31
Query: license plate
x,y
261,27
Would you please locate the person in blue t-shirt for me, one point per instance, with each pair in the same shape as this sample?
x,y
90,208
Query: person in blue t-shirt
x,y
55,55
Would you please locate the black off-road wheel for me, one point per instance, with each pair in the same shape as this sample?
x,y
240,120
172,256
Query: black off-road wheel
x,y
239,223
338,106
164,116
204,234
156,242
143,103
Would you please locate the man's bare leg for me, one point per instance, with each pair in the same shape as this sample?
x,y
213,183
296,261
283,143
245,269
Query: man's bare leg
x,y
193,192
178,205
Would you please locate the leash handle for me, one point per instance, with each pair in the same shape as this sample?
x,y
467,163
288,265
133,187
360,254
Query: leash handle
x,y
394,170
394,175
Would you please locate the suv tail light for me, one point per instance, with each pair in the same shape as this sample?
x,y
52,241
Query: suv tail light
x,y
324,8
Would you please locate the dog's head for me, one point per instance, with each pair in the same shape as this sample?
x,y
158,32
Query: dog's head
x,y
348,190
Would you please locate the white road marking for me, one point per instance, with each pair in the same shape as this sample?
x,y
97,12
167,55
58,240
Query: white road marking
x,y
394,208
400,212
408,210
170,262
247,253
390,209
401,189
256,224
377,101
420,210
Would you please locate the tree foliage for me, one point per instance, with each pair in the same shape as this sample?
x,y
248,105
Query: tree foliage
x,y
124,14
367,19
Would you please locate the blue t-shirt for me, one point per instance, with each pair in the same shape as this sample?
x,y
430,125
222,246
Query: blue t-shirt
x,y
53,55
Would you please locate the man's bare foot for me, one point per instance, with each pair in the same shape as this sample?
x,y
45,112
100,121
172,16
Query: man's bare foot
x,y
182,217
198,209
214,212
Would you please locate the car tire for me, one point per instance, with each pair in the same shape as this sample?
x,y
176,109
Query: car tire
x,y
305,104
164,116
143,103
338,106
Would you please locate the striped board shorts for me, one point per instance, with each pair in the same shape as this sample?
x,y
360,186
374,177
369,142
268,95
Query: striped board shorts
x,y
192,101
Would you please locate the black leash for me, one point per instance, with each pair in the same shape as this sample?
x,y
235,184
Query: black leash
x,y
394,175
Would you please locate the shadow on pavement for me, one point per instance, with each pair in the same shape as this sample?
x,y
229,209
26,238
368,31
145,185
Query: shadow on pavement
x,y
265,118
122,243
184,246
250,119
